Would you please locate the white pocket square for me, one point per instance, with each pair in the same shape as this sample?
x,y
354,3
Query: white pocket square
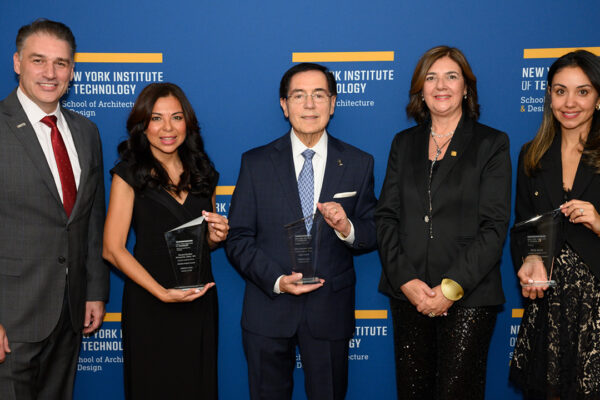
x,y
343,195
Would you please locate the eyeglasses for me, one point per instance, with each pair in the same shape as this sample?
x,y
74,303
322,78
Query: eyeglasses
x,y
318,97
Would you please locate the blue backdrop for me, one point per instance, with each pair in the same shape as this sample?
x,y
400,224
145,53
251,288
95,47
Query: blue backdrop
x,y
229,57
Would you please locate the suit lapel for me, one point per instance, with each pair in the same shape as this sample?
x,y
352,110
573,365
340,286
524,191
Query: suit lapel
x,y
583,178
456,148
419,162
23,131
283,168
551,173
334,169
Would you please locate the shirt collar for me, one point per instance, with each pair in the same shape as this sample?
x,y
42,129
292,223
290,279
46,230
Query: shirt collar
x,y
33,111
298,147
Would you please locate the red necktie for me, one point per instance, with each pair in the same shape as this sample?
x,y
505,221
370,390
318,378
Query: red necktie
x,y
67,179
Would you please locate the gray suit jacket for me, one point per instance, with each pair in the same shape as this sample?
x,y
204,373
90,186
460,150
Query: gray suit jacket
x,y
41,250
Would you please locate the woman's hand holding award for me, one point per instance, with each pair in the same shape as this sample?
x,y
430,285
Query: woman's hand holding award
x,y
537,236
186,244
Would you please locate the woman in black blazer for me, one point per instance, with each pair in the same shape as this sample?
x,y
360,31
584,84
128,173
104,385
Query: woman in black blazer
x,y
441,222
557,354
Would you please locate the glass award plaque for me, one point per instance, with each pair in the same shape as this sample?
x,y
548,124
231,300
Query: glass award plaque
x,y
303,247
537,236
185,244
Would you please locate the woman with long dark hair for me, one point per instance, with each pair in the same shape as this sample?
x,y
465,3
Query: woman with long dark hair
x,y
557,354
164,179
441,221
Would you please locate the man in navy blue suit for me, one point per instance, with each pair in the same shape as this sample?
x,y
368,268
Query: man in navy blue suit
x,y
274,184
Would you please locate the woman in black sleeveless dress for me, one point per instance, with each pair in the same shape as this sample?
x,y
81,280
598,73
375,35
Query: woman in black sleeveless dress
x,y
163,180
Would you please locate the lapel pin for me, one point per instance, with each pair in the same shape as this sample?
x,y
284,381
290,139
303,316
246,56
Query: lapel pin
x,y
339,162
453,153
22,124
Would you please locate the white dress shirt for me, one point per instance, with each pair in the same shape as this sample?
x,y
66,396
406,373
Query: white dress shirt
x,y
34,115
318,161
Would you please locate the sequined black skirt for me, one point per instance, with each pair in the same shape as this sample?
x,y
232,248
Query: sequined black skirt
x,y
558,349
441,358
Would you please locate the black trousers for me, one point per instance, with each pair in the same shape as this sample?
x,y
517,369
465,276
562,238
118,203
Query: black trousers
x,y
442,357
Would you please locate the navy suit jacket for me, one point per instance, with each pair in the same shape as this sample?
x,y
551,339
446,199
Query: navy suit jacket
x,y
265,199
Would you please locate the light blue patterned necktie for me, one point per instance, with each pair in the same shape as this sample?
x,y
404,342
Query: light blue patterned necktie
x,y
306,188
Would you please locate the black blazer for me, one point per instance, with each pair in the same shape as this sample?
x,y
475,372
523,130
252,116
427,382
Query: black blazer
x,y
471,212
265,199
544,192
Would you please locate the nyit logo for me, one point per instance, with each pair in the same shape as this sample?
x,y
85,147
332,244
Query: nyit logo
x,y
533,75
362,74
100,87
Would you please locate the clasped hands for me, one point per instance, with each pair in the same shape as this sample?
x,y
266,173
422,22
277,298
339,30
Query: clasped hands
x,y
428,301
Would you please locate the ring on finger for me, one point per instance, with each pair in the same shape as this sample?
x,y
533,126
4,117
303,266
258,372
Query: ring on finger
x,y
581,211
431,315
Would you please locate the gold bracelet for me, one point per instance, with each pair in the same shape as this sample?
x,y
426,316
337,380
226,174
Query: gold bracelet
x,y
452,290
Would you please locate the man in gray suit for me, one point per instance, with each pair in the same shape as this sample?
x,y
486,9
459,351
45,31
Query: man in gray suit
x,y
53,282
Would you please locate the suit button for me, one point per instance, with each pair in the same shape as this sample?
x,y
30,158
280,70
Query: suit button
x,y
61,260
426,218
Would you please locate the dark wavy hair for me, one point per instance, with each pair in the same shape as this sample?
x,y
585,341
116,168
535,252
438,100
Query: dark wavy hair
x,y
590,65
199,174
416,108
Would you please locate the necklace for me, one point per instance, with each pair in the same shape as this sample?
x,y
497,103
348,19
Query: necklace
x,y
438,152
438,148
433,134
